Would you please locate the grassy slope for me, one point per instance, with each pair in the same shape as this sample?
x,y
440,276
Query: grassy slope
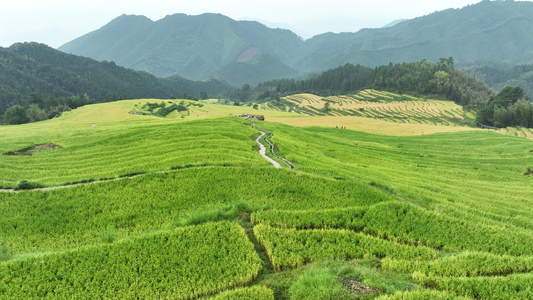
x,y
454,173
39,221
475,177
121,143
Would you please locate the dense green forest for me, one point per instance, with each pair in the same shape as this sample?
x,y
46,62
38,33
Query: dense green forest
x,y
509,107
424,79
34,73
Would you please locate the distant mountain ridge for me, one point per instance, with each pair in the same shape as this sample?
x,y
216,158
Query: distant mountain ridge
x,y
191,46
198,47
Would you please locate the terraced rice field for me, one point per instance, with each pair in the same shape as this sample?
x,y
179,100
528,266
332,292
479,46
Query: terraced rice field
x,y
385,106
418,211
519,132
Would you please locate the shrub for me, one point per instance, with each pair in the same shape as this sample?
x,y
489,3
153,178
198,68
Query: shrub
x,y
515,286
132,173
290,248
318,284
28,185
406,224
467,264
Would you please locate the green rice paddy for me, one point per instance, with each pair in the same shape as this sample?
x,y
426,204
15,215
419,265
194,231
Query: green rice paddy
x,y
433,216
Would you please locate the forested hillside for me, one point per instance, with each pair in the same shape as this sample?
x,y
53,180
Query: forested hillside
x,y
36,68
424,79
199,47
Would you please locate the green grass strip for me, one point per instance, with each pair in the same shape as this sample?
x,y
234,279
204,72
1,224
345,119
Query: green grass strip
x,y
467,264
421,295
289,248
409,224
519,286
249,293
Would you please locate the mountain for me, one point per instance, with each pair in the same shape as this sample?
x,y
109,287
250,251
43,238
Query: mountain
x,y
36,68
487,31
192,46
499,76
198,47
261,67
394,23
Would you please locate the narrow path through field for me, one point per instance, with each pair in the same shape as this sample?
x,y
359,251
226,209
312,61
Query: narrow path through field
x,y
262,151
271,149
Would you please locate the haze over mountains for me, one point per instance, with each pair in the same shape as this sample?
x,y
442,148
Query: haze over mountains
x,y
199,47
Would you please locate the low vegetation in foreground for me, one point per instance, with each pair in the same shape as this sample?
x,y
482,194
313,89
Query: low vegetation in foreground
x,y
181,205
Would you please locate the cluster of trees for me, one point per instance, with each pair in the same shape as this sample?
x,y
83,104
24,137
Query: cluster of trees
x,y
38,108
510,107
424,79
162,110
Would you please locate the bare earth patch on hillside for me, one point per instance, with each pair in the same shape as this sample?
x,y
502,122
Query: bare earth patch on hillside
x,y
248,54
358,288
33,149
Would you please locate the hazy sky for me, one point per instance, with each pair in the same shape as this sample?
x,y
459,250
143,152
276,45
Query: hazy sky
x,y
55,22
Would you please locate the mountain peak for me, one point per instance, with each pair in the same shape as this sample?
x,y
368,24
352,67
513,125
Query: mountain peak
x,y
200,46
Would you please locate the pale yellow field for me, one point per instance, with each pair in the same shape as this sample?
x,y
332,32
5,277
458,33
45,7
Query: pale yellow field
x,y
116,115
383,105
218,110
110,114
305,99
519,132
210,108
369,125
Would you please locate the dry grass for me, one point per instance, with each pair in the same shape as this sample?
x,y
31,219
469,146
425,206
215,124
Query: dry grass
x,y
369,125
519,132
384,105
397,118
